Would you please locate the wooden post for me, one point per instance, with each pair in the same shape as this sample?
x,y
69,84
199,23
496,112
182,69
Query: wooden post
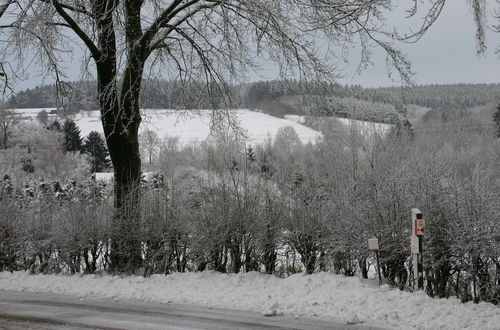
x,y
418,231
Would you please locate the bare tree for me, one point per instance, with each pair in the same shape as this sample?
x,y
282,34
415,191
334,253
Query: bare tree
x,y
8,119
192,41
150,142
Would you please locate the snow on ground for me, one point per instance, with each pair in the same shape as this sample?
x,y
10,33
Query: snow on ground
x,y
31,113
296,118
325,295
104,176
190,127
107,177
366,127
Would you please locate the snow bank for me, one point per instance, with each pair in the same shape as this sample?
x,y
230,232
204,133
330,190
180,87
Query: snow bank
x,y
349,300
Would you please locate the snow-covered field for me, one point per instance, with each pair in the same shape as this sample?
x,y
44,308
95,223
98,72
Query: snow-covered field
x,y
366,127
345,299
192,128
33,112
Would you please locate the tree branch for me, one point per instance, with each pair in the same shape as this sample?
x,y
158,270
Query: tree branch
x,y
171,12
3,8
175,25
76,28
77,9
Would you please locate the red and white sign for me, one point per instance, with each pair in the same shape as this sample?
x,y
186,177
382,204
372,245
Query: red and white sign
x,y
419,227
373,244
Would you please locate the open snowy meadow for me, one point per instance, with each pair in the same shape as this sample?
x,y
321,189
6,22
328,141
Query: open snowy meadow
x,y
193,127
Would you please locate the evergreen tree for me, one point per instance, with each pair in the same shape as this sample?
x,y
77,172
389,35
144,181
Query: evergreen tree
x,y
72,139
95,147
496,119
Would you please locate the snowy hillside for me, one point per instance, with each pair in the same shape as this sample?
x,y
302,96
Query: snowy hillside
x,y
365,127
344,299
189,127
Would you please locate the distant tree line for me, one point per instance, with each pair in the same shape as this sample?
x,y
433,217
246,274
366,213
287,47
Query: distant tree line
x,y
155,94
276,97
452,96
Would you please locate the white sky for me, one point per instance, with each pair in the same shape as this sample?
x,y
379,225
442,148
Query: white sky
x,y
446,54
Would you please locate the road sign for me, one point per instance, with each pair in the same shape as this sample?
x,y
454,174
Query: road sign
x,y
415,214
419,227
373,244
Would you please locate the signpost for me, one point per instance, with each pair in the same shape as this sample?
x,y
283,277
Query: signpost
x,y
418,232
373,245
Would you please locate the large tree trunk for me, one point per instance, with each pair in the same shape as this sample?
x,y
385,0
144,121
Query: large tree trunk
x,y
121,119
123,149
127,170
126,242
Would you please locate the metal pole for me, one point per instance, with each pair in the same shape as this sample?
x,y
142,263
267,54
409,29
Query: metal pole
x,y
378,270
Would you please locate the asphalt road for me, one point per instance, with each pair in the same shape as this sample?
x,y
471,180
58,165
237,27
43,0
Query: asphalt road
x,y
24,310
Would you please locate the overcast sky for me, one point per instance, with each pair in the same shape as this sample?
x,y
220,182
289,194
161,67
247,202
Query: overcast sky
x,y
446,54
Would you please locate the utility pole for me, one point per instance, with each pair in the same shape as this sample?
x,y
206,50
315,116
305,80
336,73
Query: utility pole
x,y
418,231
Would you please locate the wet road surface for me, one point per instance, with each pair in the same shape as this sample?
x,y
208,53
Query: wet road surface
x,y
24,310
